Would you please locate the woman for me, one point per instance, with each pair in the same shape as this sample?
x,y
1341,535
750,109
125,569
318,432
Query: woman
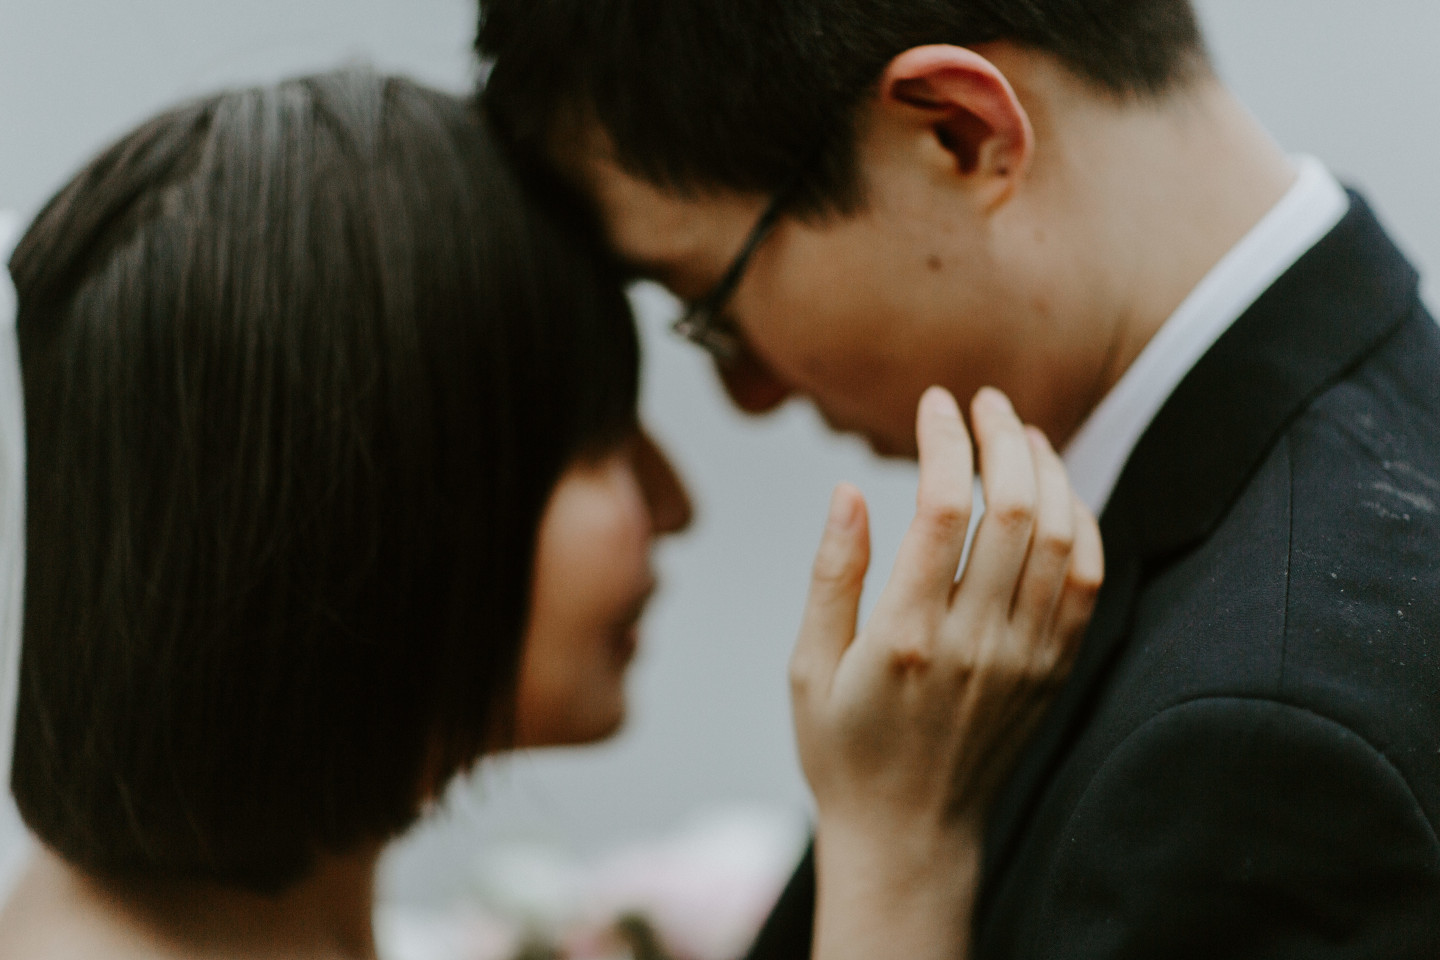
x,y
335,485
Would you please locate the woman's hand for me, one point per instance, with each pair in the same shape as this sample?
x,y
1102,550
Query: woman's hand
x,y
907,728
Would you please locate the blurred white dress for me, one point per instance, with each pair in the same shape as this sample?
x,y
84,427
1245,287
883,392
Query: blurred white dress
x,y
14,844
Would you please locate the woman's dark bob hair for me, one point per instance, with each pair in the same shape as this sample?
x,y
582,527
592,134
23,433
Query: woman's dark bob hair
x,y
301,366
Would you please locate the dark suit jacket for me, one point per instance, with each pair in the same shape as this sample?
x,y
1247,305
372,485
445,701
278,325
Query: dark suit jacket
x,y
1246,759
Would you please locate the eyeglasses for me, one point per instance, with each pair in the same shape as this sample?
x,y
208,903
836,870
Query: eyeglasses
x,y
704,322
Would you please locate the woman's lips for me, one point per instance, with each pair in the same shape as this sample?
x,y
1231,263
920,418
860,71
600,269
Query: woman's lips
x,y
625,642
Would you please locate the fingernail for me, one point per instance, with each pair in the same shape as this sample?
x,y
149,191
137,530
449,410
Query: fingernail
x,y
942,401
842,510
995,400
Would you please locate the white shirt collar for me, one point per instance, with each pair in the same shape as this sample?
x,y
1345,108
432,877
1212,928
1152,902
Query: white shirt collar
x,y
1097,453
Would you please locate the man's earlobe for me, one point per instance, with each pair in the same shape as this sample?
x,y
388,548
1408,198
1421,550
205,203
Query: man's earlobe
x,y
971,108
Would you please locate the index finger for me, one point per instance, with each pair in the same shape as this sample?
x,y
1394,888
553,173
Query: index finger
x,y
931,549
832,608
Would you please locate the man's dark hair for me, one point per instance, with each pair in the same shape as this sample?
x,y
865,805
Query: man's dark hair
x,y
745,94
301,366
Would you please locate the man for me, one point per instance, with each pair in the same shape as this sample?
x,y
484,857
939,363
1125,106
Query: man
x,y
860,198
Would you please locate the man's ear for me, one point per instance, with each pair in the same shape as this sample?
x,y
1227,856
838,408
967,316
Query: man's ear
x,y
971,109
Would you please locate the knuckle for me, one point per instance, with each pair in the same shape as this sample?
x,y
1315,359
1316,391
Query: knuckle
x,y
1056,544
833,569
945,518
1084,583
960,670
912,655
1012,661
1012,514
1045,661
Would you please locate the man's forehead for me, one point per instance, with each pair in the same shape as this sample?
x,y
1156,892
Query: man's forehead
x,y
659,231
645,224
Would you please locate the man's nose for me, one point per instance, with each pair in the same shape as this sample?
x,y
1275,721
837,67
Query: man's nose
x,y
751,385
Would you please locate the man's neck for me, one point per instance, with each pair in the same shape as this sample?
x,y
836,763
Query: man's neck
x,y
1156,194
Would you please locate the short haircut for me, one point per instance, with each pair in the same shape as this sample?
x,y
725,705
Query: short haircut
x,y
746,95
301,366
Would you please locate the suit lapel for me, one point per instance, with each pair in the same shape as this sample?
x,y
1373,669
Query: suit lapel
x,y
1321,318
1066,718
1318,321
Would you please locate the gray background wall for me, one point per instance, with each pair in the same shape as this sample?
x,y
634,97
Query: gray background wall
x,y
1354,83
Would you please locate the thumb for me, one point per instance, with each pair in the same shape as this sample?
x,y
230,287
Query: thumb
x,y
833,606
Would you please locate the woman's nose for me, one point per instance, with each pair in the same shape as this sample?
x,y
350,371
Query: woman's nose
x,y
664,491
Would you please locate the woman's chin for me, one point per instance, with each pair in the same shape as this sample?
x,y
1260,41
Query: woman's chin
x,y
594,726
607,730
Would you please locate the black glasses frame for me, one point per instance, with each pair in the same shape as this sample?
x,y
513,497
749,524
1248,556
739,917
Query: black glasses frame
x,y
704,322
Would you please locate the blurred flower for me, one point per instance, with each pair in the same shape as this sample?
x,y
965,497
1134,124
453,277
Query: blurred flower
x,y
415,933
700,894
705,890
535,886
